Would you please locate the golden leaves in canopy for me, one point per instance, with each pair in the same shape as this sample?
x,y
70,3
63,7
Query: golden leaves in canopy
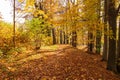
x,y
39,13
30,8
20,0
29,3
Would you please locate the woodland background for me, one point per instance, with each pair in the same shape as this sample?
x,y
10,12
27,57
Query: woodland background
x,y
94,24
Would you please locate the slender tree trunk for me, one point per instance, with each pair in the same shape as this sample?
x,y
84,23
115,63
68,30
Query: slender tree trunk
x,y
61,37
90,43
98,43
66,35
98,32
14,43
118,50
111,64
53,36
64,38
105,46
118,55
74,38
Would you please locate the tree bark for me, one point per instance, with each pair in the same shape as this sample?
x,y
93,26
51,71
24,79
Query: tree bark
x,y
105,46
66,35
61,37
53,36
74,38
64,38
98,42
118,54
98,32
111,64
118,49
90,43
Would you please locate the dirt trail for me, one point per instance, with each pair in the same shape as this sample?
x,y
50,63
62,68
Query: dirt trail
x,y
67,63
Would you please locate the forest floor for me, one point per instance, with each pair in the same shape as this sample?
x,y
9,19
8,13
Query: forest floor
x,y
61,62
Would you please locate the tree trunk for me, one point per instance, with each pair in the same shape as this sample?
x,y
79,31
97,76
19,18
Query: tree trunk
x,y
66,35
98,41
64,38
118,50
14,27
53,36
118,55
74,39
105,46
98,32
111,64
90,43
61,37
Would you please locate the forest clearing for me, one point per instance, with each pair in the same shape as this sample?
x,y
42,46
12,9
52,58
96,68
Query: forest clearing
x,y
60,40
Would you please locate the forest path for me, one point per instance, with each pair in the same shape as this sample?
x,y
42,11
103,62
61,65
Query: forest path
x,y
65,63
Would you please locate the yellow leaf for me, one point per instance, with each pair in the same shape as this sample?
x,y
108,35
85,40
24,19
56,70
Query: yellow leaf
x,y
20,0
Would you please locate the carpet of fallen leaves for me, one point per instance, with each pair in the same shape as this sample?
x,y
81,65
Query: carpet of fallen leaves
x,y
67,63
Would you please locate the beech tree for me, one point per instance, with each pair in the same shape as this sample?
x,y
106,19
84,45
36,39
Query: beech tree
x,y
112,18
105,46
